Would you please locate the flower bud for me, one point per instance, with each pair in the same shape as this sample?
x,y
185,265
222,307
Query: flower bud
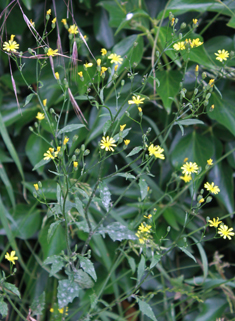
x,y
31,128
183,25
77,151
195,91
168,229
180,35
208,96
75,137
74,158
209,199
122,82
204,75
87,152
83,147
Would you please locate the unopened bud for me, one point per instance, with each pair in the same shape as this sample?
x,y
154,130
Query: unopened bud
x,y
77,151
195,91
31,128
168,229
73,158
204,75
83,147
183,25
87,152
209,199
180,35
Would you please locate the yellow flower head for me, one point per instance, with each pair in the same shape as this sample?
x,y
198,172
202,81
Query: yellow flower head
x,y
107,143
222,55
31,22
103,69
57,75
116,67
49,12
36,187
11,45
179,46
75,164
88,65
66,139
50,154
64,21
210,161
53,21
122,127
202,200
80,74
156,151
52,52
115,59
212,107
62,310
186,178
172,21
224,232
73,30
140,109
98,62
136,100
215,222
40,116
211,82
196,43
127,142
185,160
189,168
44,102
11,257
196,68
195,21
212,188
103,51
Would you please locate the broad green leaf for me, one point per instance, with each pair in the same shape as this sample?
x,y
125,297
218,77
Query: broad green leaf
x,y
169,216
134,151
189,254
67,292
70,128
188,122
143,188
38,304
212,309
169,86
12,288
117,232
231,158
83,279
49,188
7,183
146,309
126,23
40,164
57,263
87,266
164,36
3,308
231,22
141,268
79,206
105,195
52,229
116,14
28,4
224,111
102,31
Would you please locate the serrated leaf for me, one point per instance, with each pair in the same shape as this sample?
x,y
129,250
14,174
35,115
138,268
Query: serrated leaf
x,y
132,263
117,232
52,229
106,126
28,99
57,263
141,268
41,163
143,188
135,151
156,258
146,309
87,266
70,128
12,288
189,254
67,292
38,304
83,279
105,195
189,122
3,308
125,175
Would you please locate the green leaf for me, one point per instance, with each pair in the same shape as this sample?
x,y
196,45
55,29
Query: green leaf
x,y
3,308
52,229
203,255
116,14
38,304
212,309
28,4
132,263
12,288
79,206
126,23
49,187
141,268
70,128
231,22
103,33
57,263
28,99
87,266
169,86
135,151
40,164
169,216
105,195
155,259
143,188
122,134
117,232
67,292
190,121
146,309
189,254
231,158
83,279
125,175
7,184
106,126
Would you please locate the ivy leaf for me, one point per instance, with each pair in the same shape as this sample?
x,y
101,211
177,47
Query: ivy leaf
x,y
67,292
146,309
105,195
83,279
38,304
87,266
57,263
3,308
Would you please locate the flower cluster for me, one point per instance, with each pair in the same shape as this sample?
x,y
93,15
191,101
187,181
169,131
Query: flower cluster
x,y
156,151
11,45
222,55
181,45
107,143
187,170
51,153
143,233
11,257
223,230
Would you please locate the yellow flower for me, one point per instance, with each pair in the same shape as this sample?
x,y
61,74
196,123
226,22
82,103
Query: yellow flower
x,y
49,12
80,74
11,257
50,154
122,127
215,222
75,164
40,116
126,142
186,178
11,45
51,310
222,55
62,310
172,21
196,68
54,20
224,232
115,59
103,69
212,188
103,51
143,228
107,143
73,30
189,168
210,161
201,201
57,75
52,52
156,151
66,139
64,21
148,217
211,82
31,22
36,187
44,102
195,21
136,100
88,65
143,233
98,62
140,109
116,67
185,160
196,43
179,46
212,107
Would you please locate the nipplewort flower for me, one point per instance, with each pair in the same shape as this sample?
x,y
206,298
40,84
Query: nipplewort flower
x,y
189,168
11,257
222,55
212,188
107,143
215,222
224,232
